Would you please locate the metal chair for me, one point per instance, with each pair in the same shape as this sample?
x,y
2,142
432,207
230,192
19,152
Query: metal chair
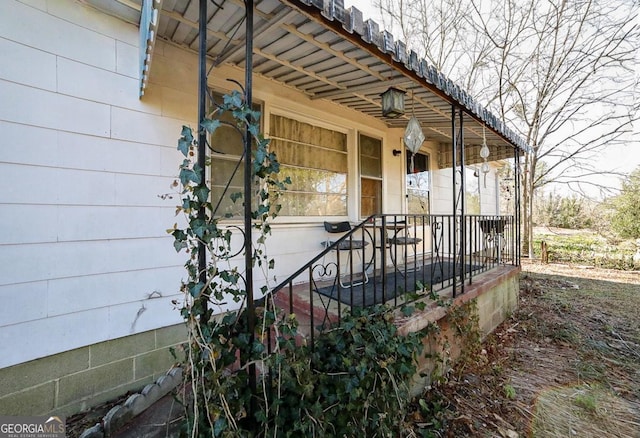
x,y
349,244
404,241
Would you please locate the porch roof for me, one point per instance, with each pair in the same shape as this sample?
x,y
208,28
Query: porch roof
x,y
329,52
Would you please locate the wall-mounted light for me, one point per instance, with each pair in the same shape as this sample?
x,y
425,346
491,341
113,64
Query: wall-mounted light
x,y
392,102
396,152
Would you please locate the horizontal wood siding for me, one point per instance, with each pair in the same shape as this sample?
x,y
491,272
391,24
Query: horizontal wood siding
x,y
84,253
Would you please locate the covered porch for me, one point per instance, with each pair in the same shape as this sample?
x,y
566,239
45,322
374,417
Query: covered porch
x,y
337,95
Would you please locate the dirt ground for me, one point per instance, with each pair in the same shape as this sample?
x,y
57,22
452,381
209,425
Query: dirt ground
x,y
565,364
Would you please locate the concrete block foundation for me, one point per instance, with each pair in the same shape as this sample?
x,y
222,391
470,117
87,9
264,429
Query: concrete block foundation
x,y
493,296
76,380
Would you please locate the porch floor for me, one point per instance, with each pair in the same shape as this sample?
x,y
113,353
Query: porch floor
x,y
395,283
320,302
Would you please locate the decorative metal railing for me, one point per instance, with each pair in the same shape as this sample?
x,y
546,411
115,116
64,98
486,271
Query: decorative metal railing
x,y
395,260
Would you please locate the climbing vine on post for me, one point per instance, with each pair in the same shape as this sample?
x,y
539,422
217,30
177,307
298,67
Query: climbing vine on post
x,y
208,230
217,345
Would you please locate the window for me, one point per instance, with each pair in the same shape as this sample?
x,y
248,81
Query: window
x,y
370,176
227,166
472,190
418,184
315,159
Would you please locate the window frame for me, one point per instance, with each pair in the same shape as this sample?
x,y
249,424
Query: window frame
x,y
361,176
319,123
429,171
258,105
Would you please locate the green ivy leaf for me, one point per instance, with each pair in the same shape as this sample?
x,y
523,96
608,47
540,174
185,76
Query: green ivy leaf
x,y
219,426
187,133
210,125
188,175
261,416
254,130
185,141
263,142
407,310
199,227
229,277
234,99
235,196
179,245
258,347
255,116
260,156
195,289
180,241
178,234
202,193
184,146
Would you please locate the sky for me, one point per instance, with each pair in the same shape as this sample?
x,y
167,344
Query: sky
x,y
617,158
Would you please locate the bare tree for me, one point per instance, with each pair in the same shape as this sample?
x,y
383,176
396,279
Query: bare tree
x,y
438,30
561,72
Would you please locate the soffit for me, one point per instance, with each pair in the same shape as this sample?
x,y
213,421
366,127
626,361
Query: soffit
x,y
327,52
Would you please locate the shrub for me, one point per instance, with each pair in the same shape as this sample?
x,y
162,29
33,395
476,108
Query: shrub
x,y
353,379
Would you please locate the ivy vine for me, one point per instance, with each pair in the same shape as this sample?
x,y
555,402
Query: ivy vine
x,y
221,349
352,381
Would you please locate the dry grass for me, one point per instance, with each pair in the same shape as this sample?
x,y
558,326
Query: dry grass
x,y
596,314
566,364
584,411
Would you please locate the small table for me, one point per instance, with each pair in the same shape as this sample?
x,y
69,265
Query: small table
x,y
390,238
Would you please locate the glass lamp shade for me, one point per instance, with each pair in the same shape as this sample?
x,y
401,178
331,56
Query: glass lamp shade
x,y
484,151
413,135
485,167
392,102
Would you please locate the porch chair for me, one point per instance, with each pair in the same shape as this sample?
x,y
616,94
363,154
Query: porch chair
x,y
404,241
349,245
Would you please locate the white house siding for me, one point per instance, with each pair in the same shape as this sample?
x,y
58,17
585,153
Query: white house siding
x,y
442,199
82,163
488,193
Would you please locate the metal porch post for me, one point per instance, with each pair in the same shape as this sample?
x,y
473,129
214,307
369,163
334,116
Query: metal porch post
x,y
458,198
202,138
516,210
463,186
248,246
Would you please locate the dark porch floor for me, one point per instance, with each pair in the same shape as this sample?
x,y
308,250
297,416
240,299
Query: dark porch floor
x,y
320,302
403,282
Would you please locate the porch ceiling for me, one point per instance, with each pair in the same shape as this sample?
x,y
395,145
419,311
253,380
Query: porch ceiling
x,y
327,52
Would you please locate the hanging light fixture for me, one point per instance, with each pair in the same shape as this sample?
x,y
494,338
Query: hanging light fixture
x,y
484,154
413,135
392,102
